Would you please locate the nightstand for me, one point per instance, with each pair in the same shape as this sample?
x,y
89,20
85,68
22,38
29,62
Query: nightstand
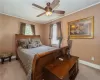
x,y
62,70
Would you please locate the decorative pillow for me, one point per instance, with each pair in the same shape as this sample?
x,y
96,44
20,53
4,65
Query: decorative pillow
x,y
35,43
23,43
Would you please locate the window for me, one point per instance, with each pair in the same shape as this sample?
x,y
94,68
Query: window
x,y
28,30
54,37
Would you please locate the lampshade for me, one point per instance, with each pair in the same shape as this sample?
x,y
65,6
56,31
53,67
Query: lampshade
x,y
48,13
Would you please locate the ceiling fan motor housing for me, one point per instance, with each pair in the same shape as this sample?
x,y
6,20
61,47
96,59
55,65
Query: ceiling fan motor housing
x,y
48,4
48,9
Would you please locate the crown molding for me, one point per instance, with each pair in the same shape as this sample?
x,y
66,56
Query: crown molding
x,y
73,12
52,19
21,18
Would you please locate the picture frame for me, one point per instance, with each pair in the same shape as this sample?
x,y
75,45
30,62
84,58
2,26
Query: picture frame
x,y
82,28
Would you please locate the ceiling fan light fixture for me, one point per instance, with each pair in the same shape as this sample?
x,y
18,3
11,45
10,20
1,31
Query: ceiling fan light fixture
x,y
49,8
48,13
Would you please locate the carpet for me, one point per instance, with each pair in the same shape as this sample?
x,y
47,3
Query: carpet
x,y
13,71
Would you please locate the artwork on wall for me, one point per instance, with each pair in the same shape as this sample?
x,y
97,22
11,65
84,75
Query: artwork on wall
x,y
81,29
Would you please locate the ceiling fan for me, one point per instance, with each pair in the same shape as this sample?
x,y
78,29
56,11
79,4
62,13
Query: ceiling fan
x,y
49,8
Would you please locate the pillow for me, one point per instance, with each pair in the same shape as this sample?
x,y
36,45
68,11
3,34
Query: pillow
x,y
23,43
32,45
35,43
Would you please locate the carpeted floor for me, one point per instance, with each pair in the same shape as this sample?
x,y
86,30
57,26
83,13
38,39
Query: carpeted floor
x,y
13,71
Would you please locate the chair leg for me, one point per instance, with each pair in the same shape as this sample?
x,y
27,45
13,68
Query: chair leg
x,y
9,59
17,58
2,60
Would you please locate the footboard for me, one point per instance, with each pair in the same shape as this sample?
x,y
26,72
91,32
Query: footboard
x,y
43,60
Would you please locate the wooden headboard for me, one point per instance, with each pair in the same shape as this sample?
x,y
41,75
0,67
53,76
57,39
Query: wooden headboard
x,y
19,36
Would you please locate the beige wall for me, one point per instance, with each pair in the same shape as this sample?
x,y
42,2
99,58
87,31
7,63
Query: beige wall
x,y
83,48
9,26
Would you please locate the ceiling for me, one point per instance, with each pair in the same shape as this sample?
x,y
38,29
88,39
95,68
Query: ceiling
x,y
24,9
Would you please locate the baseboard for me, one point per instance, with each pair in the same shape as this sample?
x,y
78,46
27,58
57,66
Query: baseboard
x,y
80,61
13,57
90,64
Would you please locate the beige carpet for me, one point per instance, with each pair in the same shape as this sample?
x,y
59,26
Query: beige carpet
x,y
13,71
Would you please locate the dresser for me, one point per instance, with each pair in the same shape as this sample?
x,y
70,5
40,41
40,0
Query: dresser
x,y
63,68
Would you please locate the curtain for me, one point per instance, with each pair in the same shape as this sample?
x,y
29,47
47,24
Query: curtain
x,y
51,31
22,28
59,33
33,29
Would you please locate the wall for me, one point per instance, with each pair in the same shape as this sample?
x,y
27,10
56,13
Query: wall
x,y
9,26
83,48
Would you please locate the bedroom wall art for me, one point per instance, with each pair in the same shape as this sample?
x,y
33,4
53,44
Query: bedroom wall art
x,y
82,28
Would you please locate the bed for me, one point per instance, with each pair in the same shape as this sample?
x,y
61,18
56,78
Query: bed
x,y
33,60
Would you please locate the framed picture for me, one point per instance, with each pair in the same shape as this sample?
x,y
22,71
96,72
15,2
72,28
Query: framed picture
x,y
81,29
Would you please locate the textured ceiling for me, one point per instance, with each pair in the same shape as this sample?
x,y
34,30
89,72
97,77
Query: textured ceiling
x,y
24,9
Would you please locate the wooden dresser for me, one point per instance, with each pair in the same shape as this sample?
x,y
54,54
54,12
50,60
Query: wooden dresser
x,y
62,70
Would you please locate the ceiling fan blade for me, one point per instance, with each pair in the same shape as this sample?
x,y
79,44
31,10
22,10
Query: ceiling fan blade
x,y
38,6
41,14
58,11
54,3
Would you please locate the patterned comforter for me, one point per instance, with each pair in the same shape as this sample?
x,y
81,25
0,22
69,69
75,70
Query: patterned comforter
x,y
27,57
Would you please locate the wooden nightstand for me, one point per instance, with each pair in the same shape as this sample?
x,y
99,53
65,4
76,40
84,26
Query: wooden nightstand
x,y
62,70
5,55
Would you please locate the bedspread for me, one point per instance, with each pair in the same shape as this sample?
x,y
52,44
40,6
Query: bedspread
x,y
27,56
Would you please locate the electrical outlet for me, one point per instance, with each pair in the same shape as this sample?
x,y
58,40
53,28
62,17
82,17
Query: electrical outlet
x,y
92,58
